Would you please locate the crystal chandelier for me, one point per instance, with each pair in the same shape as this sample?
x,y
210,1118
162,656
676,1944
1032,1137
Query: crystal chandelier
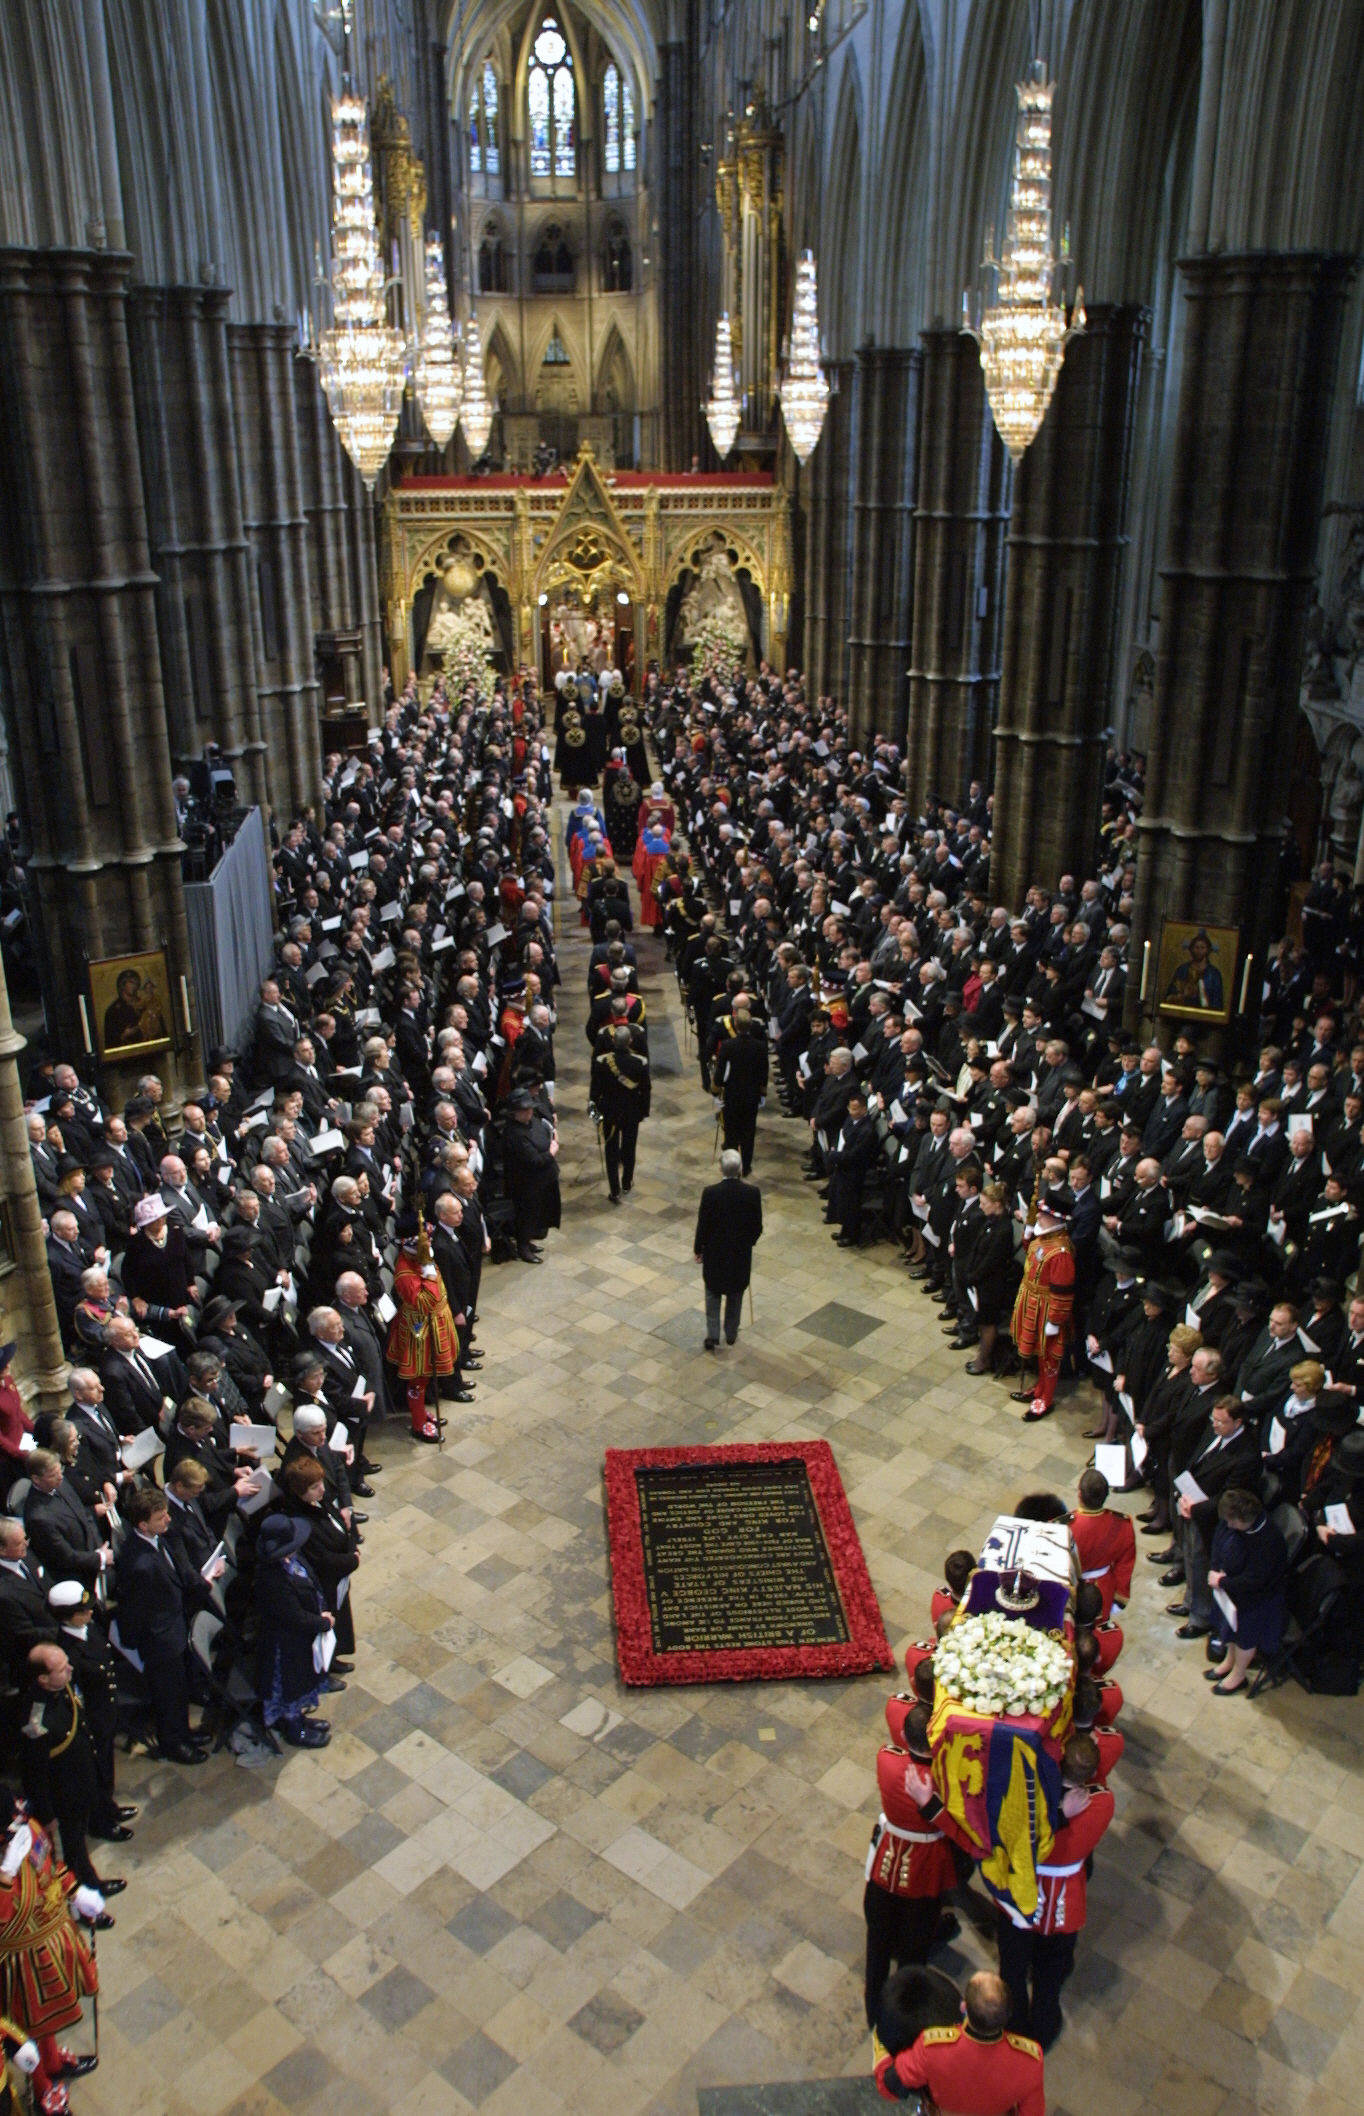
x,y
804,392
1023,337
476,416
722,409
362,360
438,380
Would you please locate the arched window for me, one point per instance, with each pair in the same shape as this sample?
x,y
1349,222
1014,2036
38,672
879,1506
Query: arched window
x,y
552,263
549,104
485,157
617,264
610,98
556,352
492,261
618,128
491,158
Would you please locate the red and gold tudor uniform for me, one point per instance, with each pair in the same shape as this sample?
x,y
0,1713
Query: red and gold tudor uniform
x,y
1042,1310
967,2073
422,1341
46,1967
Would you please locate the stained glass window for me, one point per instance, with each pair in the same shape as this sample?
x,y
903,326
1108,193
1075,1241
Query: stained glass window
x,y
549,103
628,126
563,123
537,99
490,152
610,96
484,153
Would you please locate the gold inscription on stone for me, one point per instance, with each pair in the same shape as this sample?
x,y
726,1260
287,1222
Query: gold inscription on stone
x,y
735,1557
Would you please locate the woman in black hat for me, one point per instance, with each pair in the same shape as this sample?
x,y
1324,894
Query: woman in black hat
x,y
1247,1215
244,1278
290,1622
220,1332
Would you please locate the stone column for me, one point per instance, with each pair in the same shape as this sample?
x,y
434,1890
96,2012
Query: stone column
x,y
959,522
79,609
676,185
341,536
272,502
364,533
882,540
1261,339
186,428
829,540
325,503
1067,534
41,1341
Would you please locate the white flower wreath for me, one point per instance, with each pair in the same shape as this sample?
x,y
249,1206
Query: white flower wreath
x,y
998,1665
720,645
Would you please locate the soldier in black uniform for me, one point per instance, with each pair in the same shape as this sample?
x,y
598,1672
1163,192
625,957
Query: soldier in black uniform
x,y
95,1675
740,1075
619,1092
58,1762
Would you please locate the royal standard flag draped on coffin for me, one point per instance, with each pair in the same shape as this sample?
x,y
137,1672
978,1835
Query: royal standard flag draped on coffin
x,y
1001,1792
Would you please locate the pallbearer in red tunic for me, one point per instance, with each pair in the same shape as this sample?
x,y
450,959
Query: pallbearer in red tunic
x,y
977,2068
1041,1317
957,1570
910,1867
1105,1541
422,1342
46,1967
1037,1954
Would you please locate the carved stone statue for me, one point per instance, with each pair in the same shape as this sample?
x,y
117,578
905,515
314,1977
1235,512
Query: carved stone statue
x,y
713,594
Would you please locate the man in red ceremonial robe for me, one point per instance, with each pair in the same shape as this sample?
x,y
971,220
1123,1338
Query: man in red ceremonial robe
x,y
910,1867
977,2068
1040,1951
422,1342
1041,1317
46,1967
1105,1541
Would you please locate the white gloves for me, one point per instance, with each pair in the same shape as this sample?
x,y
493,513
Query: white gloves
x,y
88,1902
26,2058
1052,1330
17,1850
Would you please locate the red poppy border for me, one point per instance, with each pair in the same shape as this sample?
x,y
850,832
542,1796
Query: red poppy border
x,y
866,1648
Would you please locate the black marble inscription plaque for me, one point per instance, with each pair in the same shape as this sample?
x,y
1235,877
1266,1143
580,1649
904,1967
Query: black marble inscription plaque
x,y
735,1558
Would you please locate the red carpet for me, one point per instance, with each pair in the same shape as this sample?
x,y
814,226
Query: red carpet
x,y
737,1564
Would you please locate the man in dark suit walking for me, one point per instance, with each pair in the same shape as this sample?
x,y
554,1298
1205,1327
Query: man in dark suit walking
x,y
728,1223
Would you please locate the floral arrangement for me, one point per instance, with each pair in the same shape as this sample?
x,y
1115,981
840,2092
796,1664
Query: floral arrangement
x,y
720,645
999,1665
465,636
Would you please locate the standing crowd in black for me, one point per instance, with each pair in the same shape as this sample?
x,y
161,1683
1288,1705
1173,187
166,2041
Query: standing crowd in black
x,y
187,1529
955,1062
